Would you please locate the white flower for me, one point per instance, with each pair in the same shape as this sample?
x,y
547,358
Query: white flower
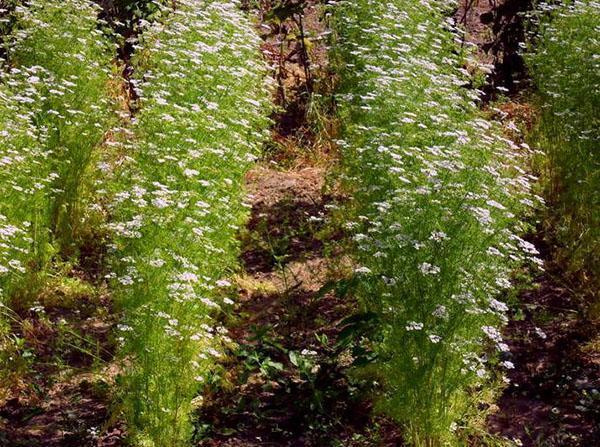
x,y
492,333
187,277
494,251
482,215
126,280
190,172
428,269
157,263
503,283
160,203
16,264
435,338
503,347
528,247
438,236
498,305
414,326
209,302
540,333
508,365
495,204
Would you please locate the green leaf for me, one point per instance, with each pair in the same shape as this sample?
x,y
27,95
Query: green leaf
x,y
275,365
323,339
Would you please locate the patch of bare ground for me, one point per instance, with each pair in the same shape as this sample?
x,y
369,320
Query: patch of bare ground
x,y
496,28
288,210
60,399
286,384
553,398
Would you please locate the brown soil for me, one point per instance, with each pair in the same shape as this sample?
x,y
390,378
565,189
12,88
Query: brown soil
x,y
281,311
496,28
300,69
288,209
61,400
553,398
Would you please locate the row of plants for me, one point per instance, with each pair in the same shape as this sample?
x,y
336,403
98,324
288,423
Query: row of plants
x,y
439,198
165,185
175,200
54,112
568,128
439,195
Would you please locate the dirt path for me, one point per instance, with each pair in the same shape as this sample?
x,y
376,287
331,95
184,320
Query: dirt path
x,y
273,401
553,398
286,383
61,399
496,28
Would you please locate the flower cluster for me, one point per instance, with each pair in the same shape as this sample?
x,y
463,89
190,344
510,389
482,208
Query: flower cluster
x,y
438,197
176,201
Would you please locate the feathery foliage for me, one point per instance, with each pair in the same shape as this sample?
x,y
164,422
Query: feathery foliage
x,y
54,112
565,67
178,203
435,216
68,60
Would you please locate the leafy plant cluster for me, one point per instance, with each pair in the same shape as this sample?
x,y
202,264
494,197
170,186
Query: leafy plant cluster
x,y
54,111
568,128
166,187
438,197
176,205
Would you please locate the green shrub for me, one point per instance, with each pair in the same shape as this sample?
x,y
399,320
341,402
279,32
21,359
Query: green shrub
x,y
438,197
53,114
69,61
565,66
177,206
